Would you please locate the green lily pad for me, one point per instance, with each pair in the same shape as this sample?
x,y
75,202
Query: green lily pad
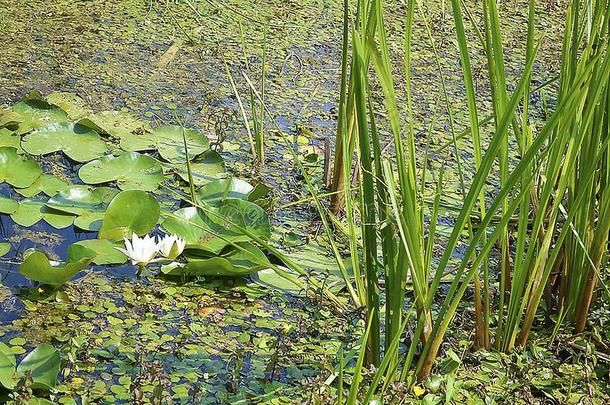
x,y
32,210
78,142
27,115
170,142
16,170
271,279
132,211
43,365
10,139
205,168
212,230
47,184
74,106
134,142
37,267
7,205
236,263
114,123
217,191
90,221
5,247
80,200
105,251
89,204
131,171
7,367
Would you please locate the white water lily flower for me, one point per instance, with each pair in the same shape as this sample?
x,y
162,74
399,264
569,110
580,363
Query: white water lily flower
x,y
141,251
171,246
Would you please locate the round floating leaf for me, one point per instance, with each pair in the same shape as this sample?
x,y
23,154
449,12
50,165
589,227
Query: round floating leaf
x,y
37,267
16,170
47,184
206,168
10,139
170,142
78,142
5,247
272,280
8,379
32,210
129,212
90,221
105,251
138,142
8,206
114,123
74,106
236,263
80,200
217,191
131,171
31,114
43,366
212,230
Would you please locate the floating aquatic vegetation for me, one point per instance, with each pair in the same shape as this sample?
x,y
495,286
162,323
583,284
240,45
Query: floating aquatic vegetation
x,y
41,365
17,170
207,167
89,205
130,170
241,260
215,241
130,212
31,113
78,142
47,184
37,266
170,144
106,251
30,211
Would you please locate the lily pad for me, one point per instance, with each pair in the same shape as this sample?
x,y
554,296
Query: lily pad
x,y
89,204
78,142
27,115
217,191
130,212
170,142
207,167
271,279
32,210
16,170
7,367
43,365
47,184
90,221
212,230
74,106
5,247
7,205
10,139
37,266
236,263
134,142
105,251
79,200
114,123
131,171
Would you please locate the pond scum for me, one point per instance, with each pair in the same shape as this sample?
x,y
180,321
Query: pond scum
x,y
444,243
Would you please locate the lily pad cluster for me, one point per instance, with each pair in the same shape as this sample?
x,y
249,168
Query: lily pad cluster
x,y
121,164
40,366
